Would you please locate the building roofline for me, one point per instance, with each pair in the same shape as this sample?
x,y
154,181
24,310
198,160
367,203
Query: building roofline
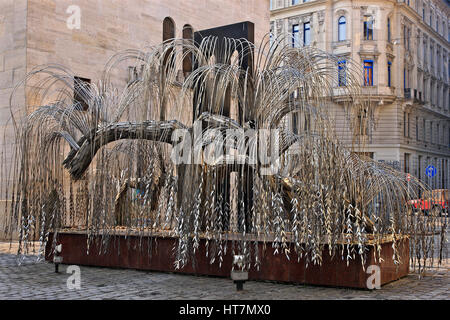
x,y
298,6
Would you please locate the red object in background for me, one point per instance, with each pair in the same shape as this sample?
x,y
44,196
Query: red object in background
x,y
439,198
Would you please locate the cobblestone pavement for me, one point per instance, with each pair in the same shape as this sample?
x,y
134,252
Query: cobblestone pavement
x,y
38,281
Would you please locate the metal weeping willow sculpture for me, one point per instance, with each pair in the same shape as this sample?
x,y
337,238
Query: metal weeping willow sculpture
x,y
156,158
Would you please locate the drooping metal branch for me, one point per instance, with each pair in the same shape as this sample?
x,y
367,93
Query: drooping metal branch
x,y
79,160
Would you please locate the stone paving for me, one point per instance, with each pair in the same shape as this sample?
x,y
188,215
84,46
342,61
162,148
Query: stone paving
x,y
33,280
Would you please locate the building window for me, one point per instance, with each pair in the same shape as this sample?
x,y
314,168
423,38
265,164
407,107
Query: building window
x,y
406,36
295,36
368,28
188,36
417,128
406,162
438,133
425,52
389,66
425,90
341,29
404,78
389,29
419,47
342,73
424,131
446,106
306,33
294,2
432,92
406,124
168,33
438,96
420,167
368,72
432,56
168,29
81,93
431,132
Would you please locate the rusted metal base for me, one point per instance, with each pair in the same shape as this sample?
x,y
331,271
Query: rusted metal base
x,y
125,253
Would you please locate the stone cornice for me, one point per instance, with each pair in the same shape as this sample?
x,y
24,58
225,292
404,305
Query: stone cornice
x,y
304,5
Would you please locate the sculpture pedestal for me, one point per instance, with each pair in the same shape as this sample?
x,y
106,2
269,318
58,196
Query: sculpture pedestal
x,y
125,253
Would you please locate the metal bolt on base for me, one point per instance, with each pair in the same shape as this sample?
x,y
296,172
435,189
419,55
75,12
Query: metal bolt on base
x,y
239,285
57,259
239,278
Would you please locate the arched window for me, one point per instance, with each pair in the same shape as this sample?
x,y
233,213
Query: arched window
x,y
188,34
168,29
341,28
168,33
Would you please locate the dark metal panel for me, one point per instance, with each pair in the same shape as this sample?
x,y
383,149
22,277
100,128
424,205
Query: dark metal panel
x,y
157,255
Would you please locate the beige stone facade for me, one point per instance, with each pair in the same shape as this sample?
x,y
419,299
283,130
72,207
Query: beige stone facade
x,y
405,48
42,32
36,32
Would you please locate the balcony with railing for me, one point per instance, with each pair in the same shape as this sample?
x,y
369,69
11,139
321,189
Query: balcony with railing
x,y
380,94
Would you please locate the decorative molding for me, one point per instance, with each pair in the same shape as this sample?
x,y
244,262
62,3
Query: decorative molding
x,y
339,44
279,24
390,56
341,12
321,16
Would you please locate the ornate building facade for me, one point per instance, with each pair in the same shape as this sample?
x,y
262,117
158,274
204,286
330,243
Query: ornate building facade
x,y
403,50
